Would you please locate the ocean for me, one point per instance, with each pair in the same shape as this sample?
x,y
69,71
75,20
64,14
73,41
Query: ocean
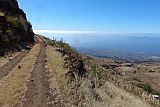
x,y
141,46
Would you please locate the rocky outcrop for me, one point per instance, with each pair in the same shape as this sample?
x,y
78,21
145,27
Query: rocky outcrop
x,y
15,30
11,8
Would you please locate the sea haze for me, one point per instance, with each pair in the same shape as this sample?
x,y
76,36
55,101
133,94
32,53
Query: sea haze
x,y
131,47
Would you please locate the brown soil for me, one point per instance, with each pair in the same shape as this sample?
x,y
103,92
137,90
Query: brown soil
x,y
37,94
151,78
6,68
146,72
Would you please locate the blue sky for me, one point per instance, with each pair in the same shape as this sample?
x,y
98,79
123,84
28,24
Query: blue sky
x,y
111,16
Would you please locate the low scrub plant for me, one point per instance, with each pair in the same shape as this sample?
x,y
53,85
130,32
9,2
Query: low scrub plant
x,y
145,87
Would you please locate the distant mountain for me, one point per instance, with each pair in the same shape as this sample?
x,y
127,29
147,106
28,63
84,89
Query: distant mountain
x,y
15,30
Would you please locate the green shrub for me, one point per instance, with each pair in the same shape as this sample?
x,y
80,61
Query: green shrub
x,y
66,47
145,87
17,22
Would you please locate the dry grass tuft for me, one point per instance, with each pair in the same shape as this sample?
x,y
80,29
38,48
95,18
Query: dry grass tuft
x,y
116,97
56,62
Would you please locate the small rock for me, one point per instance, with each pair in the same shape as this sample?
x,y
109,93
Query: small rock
x,y
19,67
134,72
151,71
10,58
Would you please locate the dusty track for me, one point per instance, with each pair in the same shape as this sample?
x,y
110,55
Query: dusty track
x,y
6,68
37,94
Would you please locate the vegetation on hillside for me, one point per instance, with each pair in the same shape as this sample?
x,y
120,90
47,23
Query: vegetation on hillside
x,y
15,30
84,82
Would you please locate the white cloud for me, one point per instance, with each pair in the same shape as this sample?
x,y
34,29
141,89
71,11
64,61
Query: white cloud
x,y
65,31
100,33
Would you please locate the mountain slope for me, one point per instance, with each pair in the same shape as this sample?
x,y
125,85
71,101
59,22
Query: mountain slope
x,y
89,84
52,74
15,30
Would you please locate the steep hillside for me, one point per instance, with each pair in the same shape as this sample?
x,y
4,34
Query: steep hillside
x,y
84,83
15,30
52,74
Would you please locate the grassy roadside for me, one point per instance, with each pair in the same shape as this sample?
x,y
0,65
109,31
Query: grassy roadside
x,y
72,96
57,72
13,86
3,59
116,97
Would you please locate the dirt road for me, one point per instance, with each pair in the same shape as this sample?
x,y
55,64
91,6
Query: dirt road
x,y
37,94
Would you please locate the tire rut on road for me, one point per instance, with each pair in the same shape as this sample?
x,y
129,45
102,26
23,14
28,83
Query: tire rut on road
x,y
6,68
37,94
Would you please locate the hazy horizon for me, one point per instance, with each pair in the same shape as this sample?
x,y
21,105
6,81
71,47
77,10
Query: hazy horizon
x,y
140,42
147,34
